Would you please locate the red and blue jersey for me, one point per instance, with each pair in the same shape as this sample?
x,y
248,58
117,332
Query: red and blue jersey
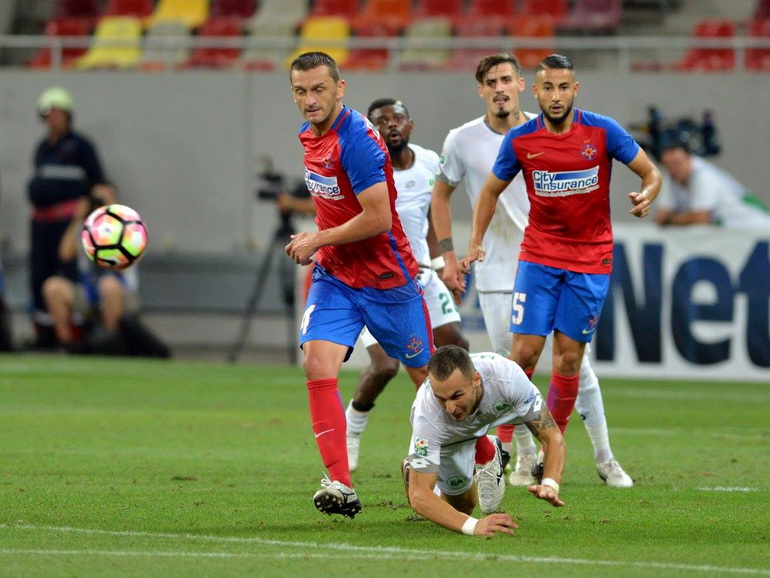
x,y
568,184
348,159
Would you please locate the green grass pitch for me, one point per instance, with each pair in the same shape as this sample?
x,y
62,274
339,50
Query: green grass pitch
x,y
153,468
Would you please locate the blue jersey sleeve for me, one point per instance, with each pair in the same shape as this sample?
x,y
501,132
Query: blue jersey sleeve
x,y
507,165
620,144
361,156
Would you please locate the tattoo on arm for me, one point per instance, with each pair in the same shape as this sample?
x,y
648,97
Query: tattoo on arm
x,y
446,245
542,422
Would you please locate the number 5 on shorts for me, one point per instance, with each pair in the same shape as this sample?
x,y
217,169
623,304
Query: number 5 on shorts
x,y
517,308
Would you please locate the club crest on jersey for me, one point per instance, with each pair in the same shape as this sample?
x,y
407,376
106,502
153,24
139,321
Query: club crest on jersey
x,y
420,447
565,184
327,163
589,151
321,186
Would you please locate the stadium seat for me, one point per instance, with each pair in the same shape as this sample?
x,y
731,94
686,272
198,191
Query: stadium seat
x,y
89,9
347,8
501,10
540,27
217,57
557,9
361,58
275,18
452,9
710,59
762,10
417,53
467,59
593,17
138,8
192,12
329,34
116,44
395,15
163,46
758,59
240,8
61,28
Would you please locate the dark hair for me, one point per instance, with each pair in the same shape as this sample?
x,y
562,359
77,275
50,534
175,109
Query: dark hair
x,y
671,144
556,61
445,360
380,102
311,60
493,60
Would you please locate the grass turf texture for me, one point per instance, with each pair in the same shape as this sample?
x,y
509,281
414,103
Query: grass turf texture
x,y
134,467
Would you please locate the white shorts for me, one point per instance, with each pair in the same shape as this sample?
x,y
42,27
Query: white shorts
x,y
496,309
455,473
441,305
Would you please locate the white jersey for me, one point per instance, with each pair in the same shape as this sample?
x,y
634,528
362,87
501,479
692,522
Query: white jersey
x,y
469,154
414,186
714,190
509,397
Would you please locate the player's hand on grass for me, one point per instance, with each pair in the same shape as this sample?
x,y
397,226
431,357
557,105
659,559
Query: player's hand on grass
x,y
546,493
502,523
641,204
301,248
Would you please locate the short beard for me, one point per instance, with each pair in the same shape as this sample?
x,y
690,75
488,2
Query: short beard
x,y
557,120
395,150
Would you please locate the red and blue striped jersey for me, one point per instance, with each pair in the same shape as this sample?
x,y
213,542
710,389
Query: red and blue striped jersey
x,y
348,159
568,185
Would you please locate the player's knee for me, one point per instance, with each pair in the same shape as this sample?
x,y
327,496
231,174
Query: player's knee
x,y
56,288
383,370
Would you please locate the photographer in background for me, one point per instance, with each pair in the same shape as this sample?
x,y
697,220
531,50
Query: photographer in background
x,y
697,192
97,313
66,169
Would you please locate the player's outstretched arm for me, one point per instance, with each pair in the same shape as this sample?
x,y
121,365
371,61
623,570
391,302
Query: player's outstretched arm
x,y
431,507
486,203
544,428
651,183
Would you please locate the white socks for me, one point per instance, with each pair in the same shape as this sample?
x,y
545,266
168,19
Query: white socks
x,y
356,420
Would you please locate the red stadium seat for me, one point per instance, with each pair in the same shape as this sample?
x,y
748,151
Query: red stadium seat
x,y
762,10
593,17
240,8
450,8
361,58
77,9
136,8
474,27
533,27
555,8
347,8
62,27
710,59
219,57
501,10
758,59
393,14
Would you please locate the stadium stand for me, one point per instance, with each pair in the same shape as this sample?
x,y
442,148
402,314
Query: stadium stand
x,y
163,49
762,10
347,8
710,59
89,9
758,59
537,26
592,17
138,8
419,55
394,15
363,58
501,10
452,9
275,18
219,56
240,8
473,27
329,34
192,12
63,27
116,44
557,9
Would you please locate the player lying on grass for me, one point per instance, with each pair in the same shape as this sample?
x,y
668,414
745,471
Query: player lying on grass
x,y
464,396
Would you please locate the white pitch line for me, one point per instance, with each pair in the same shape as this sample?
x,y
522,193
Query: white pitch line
x,y
378,552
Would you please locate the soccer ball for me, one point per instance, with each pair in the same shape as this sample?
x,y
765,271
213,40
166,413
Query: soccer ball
x,y
114,237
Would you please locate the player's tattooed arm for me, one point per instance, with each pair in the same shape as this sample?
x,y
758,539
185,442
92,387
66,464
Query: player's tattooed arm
x,y
542,421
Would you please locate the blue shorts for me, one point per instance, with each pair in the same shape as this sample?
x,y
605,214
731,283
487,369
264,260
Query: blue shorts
x,y
547,299
397,318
